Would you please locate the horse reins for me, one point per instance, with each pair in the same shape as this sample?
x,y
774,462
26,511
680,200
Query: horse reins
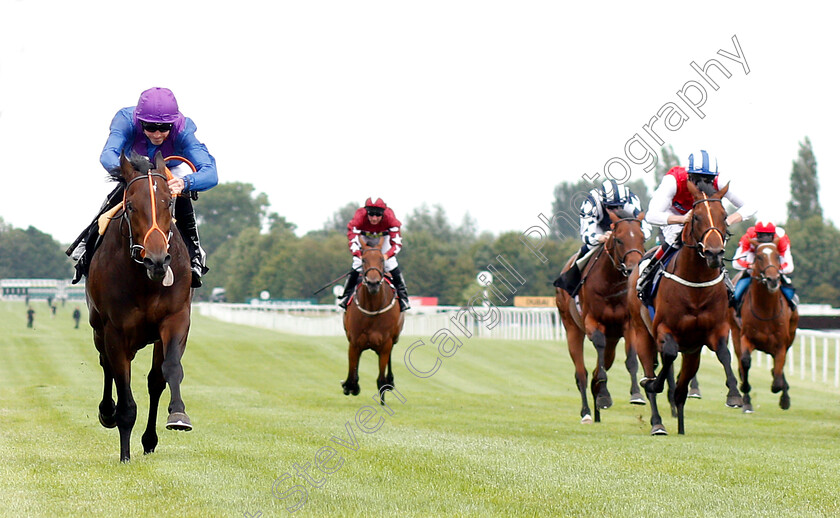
x,y
135,249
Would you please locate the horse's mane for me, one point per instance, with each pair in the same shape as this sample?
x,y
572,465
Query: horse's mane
x,y
138,162
706,188
622,213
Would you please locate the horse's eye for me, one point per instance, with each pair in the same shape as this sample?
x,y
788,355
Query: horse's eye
x,y
619,241
129,207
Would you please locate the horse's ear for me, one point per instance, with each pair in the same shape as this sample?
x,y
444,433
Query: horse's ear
x,y
753,242
126,169
381,240
721,193
641,216
613,216
160,165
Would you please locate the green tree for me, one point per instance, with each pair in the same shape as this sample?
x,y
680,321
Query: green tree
x,y
227,210
816,257
565,209
340,218
804,185
667,160
31,253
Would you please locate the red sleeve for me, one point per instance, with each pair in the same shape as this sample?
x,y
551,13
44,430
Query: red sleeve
x,y
744,242
784,244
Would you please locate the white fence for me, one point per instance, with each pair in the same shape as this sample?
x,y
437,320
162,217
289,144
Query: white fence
x,y
815,355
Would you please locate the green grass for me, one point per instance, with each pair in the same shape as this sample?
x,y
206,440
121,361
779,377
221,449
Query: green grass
x,y
495,432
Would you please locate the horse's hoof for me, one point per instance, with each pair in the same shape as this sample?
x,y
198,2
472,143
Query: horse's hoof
x,y
603,402
179,421
108,422
637,399
587,419
784,402
747,409
658,429
694,393
734,401
356,390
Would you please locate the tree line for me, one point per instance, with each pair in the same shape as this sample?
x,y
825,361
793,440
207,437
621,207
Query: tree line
x,y
251,250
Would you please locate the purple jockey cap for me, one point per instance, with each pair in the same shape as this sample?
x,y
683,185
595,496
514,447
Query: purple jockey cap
x,y
157,105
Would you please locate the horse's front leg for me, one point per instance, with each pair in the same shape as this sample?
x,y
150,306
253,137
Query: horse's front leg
x,y
384,365
733,398
126,412
351,384
744,364
107,408
646,351
173,335
779,381
156,385
690,365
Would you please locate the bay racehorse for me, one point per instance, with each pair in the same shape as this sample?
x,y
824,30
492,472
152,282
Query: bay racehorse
x,y
138,292
767,323
372,321
691,306
603,311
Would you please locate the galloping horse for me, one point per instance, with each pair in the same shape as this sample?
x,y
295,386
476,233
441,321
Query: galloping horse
x,y
603,312
690,309
767,322
372,321
138,292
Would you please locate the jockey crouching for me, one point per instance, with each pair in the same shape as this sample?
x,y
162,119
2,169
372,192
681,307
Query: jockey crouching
x,y
669,208
595,226
155,124
370,223
745,258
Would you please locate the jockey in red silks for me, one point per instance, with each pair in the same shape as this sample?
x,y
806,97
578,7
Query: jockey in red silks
x,y
670,205
745,257
370,223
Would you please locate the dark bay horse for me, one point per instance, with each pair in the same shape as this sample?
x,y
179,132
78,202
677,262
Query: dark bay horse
x,y
691,308
603,312
767,322
372,321
138,293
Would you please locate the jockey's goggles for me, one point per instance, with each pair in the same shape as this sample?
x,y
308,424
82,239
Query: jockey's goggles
x,y
375,212
152,127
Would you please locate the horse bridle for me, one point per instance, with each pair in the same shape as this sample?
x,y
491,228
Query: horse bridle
x,y
621,266
135,250
701,243
762,276
365,272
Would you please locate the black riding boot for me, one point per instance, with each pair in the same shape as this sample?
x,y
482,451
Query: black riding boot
x,y
349,287
185,221
399,285
570,279
730,288
83,247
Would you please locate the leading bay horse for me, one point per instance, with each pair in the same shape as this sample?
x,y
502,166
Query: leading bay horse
x,y
138,292
767,323
691,307
372,321
603,311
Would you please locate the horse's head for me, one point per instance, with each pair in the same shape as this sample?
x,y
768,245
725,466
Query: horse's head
x,y
706,228
626,244
147,202
373,265
767,267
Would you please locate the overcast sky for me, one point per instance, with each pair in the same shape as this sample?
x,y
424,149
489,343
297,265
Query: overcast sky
x,y
482,107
